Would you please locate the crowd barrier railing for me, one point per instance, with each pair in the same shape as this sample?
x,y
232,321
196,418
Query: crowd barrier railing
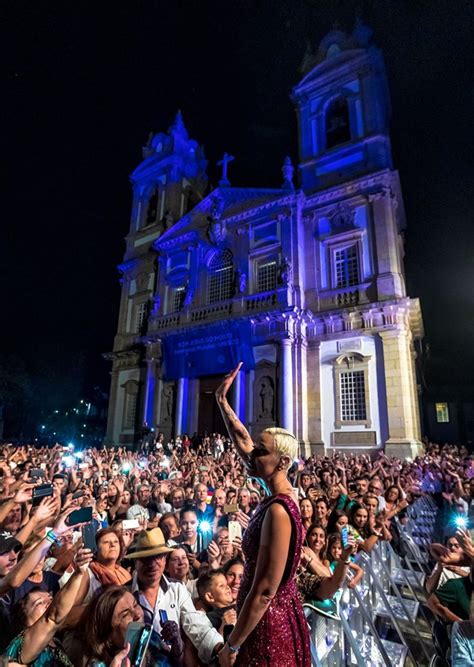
x,y
377,623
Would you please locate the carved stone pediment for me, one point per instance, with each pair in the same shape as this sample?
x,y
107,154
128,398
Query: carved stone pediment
x,y
341,218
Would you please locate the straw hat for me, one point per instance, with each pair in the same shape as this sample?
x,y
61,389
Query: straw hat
x,y
150,543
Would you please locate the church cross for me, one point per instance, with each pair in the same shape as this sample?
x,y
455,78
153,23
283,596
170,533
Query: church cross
x,y
223,163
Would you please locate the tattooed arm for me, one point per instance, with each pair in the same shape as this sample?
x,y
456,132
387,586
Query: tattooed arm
x,y
237,431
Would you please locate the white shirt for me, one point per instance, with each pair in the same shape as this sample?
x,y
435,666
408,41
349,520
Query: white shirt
x,y
174,598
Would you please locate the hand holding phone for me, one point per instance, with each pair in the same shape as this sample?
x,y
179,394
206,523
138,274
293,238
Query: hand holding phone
x,y
88,537
83,515
345,537
40,492
235,530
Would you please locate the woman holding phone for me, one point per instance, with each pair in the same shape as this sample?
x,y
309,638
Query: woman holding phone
x,y
271,628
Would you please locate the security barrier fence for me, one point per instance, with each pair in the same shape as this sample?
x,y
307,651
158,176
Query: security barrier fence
x,y
382,621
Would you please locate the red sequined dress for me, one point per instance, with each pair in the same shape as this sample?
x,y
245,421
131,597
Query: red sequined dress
x,y
281,638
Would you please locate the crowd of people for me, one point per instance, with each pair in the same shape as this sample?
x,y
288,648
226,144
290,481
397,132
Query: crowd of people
x,y
162,540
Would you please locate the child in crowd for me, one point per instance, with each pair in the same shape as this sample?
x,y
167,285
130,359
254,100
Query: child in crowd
x,y
216,597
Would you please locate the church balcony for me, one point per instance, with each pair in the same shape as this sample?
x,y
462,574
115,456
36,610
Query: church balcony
x,y
216,311
239,306
344,297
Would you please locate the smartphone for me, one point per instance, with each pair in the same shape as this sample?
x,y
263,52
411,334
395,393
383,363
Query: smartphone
x,y
231,508
163,616
84,515
138,636
235,530
130,524
36,473
88,537
40,492
227,630
78,494
345,537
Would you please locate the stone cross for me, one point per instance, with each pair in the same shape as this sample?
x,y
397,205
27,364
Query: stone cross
x,y
224,182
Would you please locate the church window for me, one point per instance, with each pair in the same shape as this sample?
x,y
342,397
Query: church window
x,y
338,128
221,277
140,316
179,294
267,276
352,396
351,378
442,413
346,267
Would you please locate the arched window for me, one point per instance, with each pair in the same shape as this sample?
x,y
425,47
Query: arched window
x,y
221,277
338,127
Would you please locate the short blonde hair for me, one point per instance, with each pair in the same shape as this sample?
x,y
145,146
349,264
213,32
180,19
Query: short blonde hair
x,y
285,442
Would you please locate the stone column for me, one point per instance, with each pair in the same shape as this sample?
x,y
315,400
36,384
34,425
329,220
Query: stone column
x,y
249,381
239,395
300,392
181,398
148,399
390,280
313,367
194,407
403,437
157,403
113,428
286,384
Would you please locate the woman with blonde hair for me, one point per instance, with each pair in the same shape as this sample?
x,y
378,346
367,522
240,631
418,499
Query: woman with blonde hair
x,y
268,605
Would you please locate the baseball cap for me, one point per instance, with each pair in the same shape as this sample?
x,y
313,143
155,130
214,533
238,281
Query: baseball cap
x,y
9,543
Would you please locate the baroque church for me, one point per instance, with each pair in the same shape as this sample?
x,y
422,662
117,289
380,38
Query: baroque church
x,y
304,283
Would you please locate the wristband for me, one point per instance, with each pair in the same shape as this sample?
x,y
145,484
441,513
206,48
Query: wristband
x,y
52,537
347,562
232,649
374,532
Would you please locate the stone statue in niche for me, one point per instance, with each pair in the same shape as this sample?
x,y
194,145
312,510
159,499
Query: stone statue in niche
x,y
142,281
188,297
152,208
286,272
168,402
267,396
155,305
240,282
167,221
217,230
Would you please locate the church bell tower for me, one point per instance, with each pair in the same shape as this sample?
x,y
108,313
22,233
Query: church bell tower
x,y
343,110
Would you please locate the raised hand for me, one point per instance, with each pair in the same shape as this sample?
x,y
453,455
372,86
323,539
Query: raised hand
x,y
83,558
121,659
350,549
171,635
46,509
223,388
24,493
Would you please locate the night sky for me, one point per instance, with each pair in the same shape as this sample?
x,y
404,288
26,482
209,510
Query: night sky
x,y
85,82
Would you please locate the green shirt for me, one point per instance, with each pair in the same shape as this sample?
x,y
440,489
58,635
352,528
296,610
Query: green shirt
x,y
455,594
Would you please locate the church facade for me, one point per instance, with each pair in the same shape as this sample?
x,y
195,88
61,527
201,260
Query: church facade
x,y
306,282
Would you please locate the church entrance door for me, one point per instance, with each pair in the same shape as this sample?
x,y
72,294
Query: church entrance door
x,y
209,416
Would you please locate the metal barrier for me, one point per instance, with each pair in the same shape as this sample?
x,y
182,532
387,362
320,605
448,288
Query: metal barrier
x,y
379,619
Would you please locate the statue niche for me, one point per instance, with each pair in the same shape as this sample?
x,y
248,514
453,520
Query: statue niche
x,y
152,209
266,396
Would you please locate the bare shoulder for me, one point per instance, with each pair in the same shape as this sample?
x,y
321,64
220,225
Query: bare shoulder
x,y
276,512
